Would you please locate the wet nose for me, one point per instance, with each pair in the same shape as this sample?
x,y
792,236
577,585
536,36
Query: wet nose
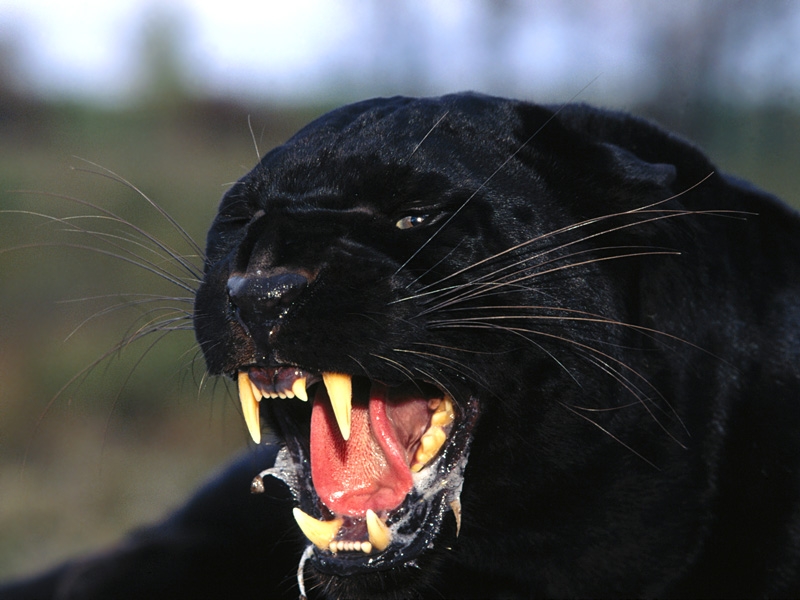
x,y
259,301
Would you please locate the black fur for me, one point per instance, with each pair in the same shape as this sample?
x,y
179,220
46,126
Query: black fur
x,y
620,319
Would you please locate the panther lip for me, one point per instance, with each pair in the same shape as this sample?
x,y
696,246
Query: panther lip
x,y
364,453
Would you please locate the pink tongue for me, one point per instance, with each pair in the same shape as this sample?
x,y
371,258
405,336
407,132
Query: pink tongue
x,y
370,470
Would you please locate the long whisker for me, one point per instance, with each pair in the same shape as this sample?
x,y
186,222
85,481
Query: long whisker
x,y
643,400
473,289
155,270
486,181
430,131
397,365
584,317
71,226
81,376
442,360
179,258
585,347
431,268
608,433
108,173
662,214
129,304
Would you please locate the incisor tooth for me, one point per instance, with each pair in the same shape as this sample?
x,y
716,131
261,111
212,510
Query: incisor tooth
x,y
340,391
320,533
299,389
379,535
249,407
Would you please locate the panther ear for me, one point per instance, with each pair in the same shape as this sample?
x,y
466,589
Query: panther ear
x,y
638,171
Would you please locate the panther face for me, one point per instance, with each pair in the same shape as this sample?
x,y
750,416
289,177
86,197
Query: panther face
x,y
450,313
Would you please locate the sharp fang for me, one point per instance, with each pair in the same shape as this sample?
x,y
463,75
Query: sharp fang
x,y
320,533
379,535
340,391
456,506
299,389
249,407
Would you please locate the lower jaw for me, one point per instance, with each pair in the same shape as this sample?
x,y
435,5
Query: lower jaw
x,y
404,534
413,526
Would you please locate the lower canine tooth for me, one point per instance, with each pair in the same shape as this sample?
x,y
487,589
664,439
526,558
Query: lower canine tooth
x,y
340,392
379,535
320,533
249,407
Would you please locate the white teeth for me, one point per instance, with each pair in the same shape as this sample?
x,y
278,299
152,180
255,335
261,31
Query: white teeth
x,y
340,392
379,534
320,533
350,546
299,389
249,407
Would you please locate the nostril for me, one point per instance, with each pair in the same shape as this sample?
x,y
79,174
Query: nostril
x,y
260,300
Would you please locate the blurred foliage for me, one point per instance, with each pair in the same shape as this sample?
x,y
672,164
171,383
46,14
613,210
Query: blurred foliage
x,y
117,447
131,436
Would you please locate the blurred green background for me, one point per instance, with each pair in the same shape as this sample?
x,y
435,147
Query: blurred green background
x,y
85,456
115,448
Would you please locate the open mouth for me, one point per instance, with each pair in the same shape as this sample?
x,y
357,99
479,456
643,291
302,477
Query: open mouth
x,y
373,467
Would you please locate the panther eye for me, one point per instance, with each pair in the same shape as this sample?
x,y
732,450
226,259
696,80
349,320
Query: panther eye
x,y
410,221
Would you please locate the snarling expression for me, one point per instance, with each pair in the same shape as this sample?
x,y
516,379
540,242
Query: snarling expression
x,y
369,287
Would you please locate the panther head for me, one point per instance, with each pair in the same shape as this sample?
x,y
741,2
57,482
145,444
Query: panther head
x,y
423,300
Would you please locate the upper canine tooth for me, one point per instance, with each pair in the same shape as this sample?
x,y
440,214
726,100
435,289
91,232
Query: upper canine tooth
x,y
249,407
379,534
320,533
299,389
340,392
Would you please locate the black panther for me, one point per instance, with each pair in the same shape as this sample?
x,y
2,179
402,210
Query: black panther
x,y
495,349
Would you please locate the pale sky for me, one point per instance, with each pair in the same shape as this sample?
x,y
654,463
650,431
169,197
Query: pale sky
x,y
298,48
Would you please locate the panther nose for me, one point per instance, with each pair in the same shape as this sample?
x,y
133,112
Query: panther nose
x,y
260,301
